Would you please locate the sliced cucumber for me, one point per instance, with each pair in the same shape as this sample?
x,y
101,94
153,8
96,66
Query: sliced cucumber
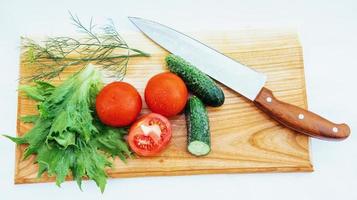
x,y
199,137
198,148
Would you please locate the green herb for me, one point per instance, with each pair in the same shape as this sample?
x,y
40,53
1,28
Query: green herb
x,y
103,47
67,136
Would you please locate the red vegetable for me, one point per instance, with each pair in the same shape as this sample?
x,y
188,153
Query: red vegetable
x,y
150,135
166,94
118,104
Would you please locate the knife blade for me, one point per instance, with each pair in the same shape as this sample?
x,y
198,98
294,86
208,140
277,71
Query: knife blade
x,y
241,79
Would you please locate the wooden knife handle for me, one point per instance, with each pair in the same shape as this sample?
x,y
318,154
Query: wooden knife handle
x,y
299,119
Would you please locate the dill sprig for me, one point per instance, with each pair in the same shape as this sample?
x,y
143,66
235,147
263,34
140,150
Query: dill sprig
x,y
100,46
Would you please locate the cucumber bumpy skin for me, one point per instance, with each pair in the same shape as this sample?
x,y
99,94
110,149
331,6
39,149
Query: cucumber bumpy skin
x,y
199,137
198,82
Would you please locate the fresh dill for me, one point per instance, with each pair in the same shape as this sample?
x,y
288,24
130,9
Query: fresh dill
x,y
103,47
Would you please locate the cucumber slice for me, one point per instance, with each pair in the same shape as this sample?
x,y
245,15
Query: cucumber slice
x,y
199,137
199,148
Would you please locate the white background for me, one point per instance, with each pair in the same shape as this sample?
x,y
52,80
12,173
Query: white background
x,y
328,31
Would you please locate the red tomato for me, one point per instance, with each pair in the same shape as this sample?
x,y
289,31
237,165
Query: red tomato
x,y
166,94
150,134
118,104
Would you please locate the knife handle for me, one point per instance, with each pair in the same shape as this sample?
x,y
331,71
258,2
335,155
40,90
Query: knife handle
x,y
299,119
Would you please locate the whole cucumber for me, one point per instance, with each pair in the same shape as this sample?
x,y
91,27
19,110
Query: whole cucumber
x,y
199,137
198,82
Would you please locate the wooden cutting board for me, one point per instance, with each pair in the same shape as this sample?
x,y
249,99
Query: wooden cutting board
x,y
243,138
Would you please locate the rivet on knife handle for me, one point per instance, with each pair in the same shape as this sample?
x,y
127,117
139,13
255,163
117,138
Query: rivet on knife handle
x,y
299,119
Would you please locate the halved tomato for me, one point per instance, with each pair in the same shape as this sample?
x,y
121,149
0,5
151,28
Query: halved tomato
x,y
150,134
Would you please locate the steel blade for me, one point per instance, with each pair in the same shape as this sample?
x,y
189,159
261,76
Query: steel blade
x,y
231,73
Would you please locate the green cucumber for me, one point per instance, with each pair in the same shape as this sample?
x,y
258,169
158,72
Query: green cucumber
x,y
199,137
198,82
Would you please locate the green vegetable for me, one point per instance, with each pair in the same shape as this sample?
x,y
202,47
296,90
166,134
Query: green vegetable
x,y
66,135
199,138
198,82
38,92
103,47
29,118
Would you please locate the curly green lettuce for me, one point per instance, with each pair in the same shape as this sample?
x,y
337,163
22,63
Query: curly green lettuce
x,y
67,137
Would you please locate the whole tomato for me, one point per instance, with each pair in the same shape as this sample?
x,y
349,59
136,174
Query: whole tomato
x,y
166,94
118,104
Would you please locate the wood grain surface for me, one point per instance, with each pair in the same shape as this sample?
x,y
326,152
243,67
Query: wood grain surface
x,y
244,139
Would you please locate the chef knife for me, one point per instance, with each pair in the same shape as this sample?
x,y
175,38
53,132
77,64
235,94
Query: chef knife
x,y
241,79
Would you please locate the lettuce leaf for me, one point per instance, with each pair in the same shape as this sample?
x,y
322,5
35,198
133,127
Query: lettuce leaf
x,y
67,137
29,118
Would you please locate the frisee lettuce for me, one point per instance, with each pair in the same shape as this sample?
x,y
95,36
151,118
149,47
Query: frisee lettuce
x,y
67,137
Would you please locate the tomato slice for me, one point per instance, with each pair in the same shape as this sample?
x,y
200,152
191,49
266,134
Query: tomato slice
x,y
150,134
